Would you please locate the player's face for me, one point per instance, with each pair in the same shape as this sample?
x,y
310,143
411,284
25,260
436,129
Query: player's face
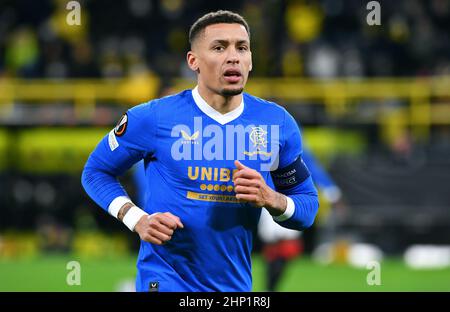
x,y
223,58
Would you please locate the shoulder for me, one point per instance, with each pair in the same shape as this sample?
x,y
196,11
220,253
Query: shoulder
x,y
265,107
173,99
164,104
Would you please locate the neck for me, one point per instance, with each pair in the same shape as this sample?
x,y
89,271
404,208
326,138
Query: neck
x,y
222,104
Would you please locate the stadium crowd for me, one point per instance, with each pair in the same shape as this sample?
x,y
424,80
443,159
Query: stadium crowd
x,y
297,38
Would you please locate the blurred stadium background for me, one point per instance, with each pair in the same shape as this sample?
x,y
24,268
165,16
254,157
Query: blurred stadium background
x,y
373,101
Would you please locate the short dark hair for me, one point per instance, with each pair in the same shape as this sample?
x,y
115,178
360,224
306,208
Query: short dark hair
x,y
217,17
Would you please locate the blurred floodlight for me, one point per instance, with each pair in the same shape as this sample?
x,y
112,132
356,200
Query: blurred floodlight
x,y
323,254
359,255
427,257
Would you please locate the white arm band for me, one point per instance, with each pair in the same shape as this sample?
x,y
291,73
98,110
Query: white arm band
x,y
116,204
290,209
133,215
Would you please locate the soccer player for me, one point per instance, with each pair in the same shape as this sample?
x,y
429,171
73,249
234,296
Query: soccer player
x,y
207,153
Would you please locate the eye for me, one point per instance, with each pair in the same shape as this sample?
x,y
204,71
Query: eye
x,y
243,48
218,48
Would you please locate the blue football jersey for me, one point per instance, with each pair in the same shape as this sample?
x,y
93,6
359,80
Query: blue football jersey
x,y
188,157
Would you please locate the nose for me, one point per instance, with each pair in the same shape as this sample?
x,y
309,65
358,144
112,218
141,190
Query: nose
x,y
233,56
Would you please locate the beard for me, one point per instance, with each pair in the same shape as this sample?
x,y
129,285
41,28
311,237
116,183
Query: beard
x,y
231,92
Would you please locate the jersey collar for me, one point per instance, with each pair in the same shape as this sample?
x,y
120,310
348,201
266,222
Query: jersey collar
x,y
211,112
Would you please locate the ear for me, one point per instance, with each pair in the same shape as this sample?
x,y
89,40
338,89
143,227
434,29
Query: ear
x,y
192,61
251,63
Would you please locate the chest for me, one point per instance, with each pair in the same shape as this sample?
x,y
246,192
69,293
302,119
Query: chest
x,y
197,154
201,144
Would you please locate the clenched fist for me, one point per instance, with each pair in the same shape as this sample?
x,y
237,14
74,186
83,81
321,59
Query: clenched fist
x,y
251,187
158,228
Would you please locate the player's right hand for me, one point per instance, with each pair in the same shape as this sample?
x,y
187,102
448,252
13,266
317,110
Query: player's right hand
x,y
158,228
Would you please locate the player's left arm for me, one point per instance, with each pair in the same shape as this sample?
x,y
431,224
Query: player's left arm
x,y
294,202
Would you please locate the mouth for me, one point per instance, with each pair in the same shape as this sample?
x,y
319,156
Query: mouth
x,y
232,75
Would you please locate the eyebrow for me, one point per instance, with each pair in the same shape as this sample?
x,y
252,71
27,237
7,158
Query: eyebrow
x,y
226,42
